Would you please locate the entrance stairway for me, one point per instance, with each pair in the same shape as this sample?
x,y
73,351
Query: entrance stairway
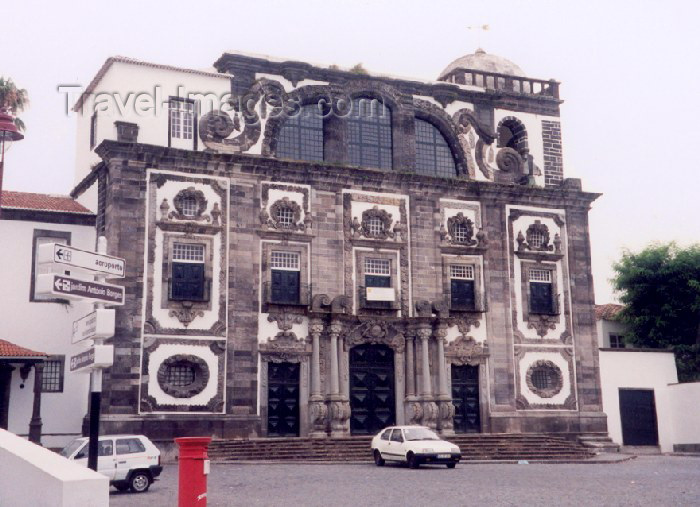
x,y
507,447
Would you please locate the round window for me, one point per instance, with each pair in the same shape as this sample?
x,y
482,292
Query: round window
x,y
183,376
545,379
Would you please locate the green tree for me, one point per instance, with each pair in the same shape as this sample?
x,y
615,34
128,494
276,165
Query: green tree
x,y
13,99
660,291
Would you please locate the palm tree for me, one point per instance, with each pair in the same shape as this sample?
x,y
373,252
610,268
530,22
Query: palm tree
x,y
13,99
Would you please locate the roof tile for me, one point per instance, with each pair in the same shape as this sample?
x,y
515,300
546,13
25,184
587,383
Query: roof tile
x,y
607,312
8,349
42,202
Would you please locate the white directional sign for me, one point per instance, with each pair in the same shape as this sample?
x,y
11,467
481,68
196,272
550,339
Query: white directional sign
x,y
82,259
74,288
97,356
98,324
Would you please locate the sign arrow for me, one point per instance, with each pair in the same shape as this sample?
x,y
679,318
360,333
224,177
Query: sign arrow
x,y
59,253
57,283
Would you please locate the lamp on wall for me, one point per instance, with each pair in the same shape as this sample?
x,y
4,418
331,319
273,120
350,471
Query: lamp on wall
x,y
8,133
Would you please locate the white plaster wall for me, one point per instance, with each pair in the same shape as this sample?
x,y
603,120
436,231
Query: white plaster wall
x,y
636,369
684,404
605,327
45,327
531,357
32,476
165,351
136,85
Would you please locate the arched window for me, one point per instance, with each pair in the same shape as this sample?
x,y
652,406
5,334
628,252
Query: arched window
x,y
433,154
301,135
512,134
369,134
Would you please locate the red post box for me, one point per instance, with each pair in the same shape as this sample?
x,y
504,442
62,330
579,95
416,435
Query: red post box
x,y
194,468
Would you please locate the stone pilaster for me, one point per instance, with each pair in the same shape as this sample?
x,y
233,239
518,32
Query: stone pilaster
x,y
338,405
318,411
446,410
412,407
430,409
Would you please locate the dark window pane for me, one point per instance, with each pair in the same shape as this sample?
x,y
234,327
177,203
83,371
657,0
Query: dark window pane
x,y
187,281
284,286
301,136
433,155
541,298
462,294
377,281
52,376
369,134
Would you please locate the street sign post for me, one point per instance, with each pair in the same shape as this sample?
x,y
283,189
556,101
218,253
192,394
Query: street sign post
x,y
57,253
97,356
95,325
74,288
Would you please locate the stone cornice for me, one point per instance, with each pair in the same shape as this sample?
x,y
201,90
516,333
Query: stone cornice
x,y
333,176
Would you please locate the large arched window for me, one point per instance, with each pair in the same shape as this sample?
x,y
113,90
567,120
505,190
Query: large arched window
x,y
369,134
433,154
301,135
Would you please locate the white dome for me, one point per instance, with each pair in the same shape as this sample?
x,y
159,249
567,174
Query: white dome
x,y
481,60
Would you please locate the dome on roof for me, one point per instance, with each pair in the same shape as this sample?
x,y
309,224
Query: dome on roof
x,y
481,60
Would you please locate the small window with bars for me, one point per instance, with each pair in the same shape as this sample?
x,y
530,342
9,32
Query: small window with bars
x,y
377,267
181,118
52,377
541,275
180,375
284,260
188,252
463,272
285,216
460,233
536,239
375,226
544,377
189,206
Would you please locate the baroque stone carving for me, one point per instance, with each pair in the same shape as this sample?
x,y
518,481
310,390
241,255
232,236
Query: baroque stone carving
x,y
536,238
282,206
285,321
200,379
446,414
430,414
178,203
542,323
370,219
466,228
186,313
424,309
415,412
552,372
466,350
376,331
508,160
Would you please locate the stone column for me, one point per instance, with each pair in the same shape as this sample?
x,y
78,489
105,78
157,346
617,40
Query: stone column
x,y
339,407
318,411
413,408
430,409
35,424
446,409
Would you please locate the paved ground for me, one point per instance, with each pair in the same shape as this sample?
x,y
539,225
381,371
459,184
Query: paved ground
x,y
647,480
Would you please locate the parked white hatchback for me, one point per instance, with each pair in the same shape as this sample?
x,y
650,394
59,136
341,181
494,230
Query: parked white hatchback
x,y
130,461
414,445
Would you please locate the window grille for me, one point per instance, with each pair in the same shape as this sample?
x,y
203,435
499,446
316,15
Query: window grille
x,y
52,379
462,272
284,260
381,267
181,118
460,233
180,375
541,275
369,134
616,341
375,225
188,252
544,377
189,206
301,135
285,216
433,154
536,239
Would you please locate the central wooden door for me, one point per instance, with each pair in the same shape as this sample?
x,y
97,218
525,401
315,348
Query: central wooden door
x,y
465,397
372,401
283,400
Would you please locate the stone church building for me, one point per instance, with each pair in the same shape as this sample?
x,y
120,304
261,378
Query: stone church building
x,y
326,252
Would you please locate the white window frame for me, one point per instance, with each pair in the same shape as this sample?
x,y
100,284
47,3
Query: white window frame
x,y
188,252
285,260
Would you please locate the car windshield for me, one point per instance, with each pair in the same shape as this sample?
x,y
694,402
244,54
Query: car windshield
x,y
71,448
420,434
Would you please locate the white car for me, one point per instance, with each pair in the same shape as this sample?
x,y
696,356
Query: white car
x,y
414,445
130,461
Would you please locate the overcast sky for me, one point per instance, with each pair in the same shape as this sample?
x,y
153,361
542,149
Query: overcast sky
x,y
630,74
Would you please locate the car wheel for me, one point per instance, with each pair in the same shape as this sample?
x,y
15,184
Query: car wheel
x,y
451,465
412,461
140,482
378,460
122,487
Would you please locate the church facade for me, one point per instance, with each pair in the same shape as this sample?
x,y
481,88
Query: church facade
x,y
330,252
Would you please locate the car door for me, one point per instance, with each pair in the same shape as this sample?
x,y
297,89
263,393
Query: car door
x,y
383,441
395,446
105,457
130,453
